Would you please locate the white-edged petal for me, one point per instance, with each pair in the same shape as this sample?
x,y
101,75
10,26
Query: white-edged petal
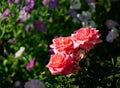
x,y
19,52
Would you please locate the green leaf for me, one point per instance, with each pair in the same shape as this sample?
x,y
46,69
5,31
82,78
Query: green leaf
x,y
118,62
118,83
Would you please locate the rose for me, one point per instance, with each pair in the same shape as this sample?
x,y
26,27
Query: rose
x,y
86,38
60,64
77,54
62,44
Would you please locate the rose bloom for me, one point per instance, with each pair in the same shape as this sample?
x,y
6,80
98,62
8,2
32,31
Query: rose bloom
x,y
77,54
60,63
86,38
61,44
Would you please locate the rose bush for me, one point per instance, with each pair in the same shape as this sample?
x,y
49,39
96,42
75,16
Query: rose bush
x,y
84,38
27,28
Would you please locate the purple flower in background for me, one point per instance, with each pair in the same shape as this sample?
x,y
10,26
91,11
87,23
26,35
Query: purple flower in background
x,y
34,84
18,84
30,64
112,34
45,2
16,1
53,4
12,41
51,51
26,8
9,1
23,16
6,12
111,24
28,0
30,5
84,16
72,12
28,28
39,25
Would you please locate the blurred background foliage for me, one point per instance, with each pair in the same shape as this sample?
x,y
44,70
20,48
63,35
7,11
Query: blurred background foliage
x,y
100,68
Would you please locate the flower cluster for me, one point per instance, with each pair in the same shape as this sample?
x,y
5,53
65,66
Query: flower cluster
x,y
85,17
68,51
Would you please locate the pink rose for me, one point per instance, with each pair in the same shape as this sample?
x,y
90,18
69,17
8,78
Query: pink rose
x,y
60,64
86,38
77,54
62,44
